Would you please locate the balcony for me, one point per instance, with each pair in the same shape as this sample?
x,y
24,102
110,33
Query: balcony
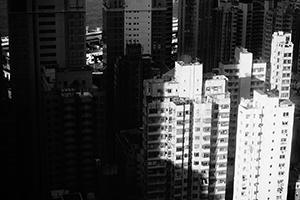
x,y
155,190
156,120
157,181
158,173
156,197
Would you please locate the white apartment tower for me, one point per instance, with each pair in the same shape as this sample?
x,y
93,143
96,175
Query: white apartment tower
x,y
263,147
281,63
244,75
186,135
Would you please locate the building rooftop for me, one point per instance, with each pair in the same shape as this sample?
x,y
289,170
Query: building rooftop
x,y
286,102
82,94
246,103
219,77
181,101
271,93
259,60
242,50
188,61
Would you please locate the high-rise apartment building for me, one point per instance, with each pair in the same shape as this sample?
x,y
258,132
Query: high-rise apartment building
x,y
244,75
58,112
8,146
210,30
279,18
263,148
130,71
134,22
281,63
282,16
148,23
185,136
194,29
225,30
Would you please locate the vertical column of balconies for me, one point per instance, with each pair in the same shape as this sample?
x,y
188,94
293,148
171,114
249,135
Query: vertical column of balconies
x,y
181,154
201,150
257,153
157,148
219,146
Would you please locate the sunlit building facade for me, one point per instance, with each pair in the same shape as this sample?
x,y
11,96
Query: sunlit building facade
x,y
281,63
264,137
244,75
186,135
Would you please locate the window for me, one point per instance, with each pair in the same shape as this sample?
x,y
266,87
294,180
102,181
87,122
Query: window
x,y
48,62
281,173
179,140
46,15
284,123
178,157
48,54
284,88
47,39
206,129
46,7
285,114
47,46
281,165
47,31
224,123
283,148
179,149
47,23
282,156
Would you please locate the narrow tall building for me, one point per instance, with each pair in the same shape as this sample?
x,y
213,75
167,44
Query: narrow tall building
x,y
58,111
130,72
225,30
264,138
281,63
186,136
244,74
133,22
194,29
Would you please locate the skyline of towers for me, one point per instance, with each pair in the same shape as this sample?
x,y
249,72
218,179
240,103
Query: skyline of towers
x,y
223,25
72,127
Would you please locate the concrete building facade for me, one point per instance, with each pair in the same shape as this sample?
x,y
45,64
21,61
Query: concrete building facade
x,y
194,30
186,136
244,75
264,136
55,102
281,63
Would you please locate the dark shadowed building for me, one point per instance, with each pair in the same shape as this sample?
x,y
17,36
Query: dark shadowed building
x,y
58,119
